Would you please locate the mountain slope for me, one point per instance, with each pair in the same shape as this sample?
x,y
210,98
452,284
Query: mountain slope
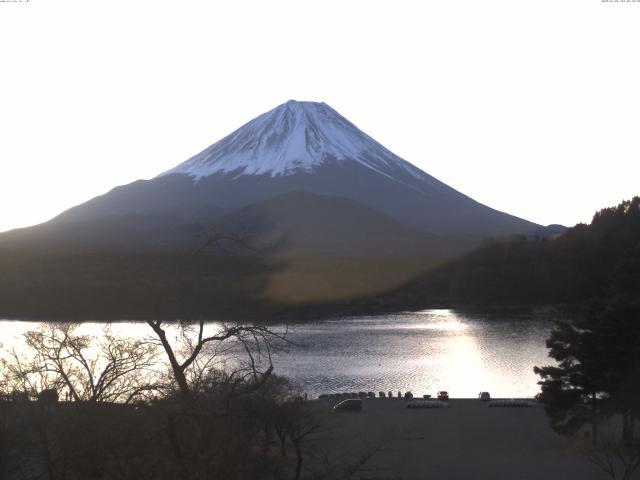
x,y
296,147
300,146
302,223
332,216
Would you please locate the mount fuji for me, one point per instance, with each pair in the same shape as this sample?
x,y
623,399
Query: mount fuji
x,y
300,171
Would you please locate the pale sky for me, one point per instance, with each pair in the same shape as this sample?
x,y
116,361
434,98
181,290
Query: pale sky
x,y
531,107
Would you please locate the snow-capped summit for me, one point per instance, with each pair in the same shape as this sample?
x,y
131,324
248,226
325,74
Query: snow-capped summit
x,y
291,138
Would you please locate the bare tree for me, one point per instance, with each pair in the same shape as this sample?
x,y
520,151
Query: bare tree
x,y
189,368
24,377
212,237
618,459
82,367
304,421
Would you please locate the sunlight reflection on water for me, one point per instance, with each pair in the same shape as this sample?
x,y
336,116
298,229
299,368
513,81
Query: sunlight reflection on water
x,y
423,352
420,351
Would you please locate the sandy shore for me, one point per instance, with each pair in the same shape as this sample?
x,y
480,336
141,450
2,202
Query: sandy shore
x,y
467,440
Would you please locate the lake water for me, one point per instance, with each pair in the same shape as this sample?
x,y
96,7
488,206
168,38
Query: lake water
x,y
419,351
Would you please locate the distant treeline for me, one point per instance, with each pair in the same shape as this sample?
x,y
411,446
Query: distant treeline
x,y
598,260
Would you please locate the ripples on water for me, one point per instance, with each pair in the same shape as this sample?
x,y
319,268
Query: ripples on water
x,y
420,351
423,352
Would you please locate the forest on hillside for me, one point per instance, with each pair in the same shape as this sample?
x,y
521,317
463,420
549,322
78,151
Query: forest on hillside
x,y
594,261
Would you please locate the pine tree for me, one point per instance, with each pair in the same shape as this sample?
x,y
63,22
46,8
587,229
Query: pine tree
x,y
574,392
598,372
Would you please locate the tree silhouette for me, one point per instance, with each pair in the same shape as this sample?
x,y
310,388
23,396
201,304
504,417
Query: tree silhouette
x,y
598,371
254,340
83,368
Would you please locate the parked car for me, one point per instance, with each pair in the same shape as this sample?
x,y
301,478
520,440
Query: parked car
x,y
484,396
349,405
443,395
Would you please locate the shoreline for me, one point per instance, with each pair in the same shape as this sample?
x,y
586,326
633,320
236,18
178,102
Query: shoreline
x,y
301,315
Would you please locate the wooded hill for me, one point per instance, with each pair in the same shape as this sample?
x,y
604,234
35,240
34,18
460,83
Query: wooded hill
x,y
598,260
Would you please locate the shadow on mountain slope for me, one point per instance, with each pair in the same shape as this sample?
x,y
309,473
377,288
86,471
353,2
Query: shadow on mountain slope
x,y
298,253
107,286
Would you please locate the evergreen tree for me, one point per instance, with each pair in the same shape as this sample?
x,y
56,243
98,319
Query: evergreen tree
x,y
574,392
617,327
598,372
